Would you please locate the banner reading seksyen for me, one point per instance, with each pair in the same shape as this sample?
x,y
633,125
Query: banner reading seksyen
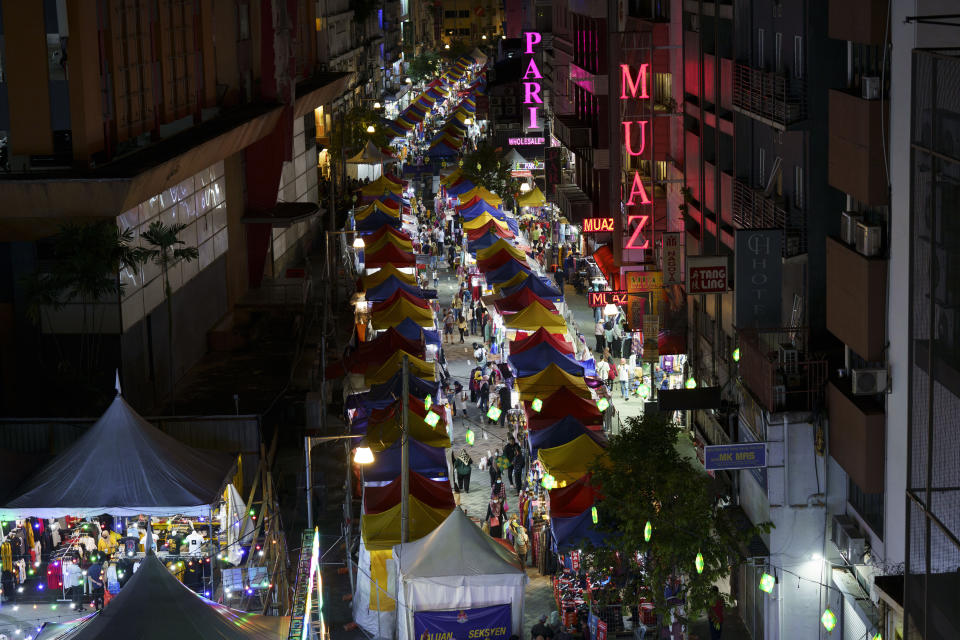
x,y
483,623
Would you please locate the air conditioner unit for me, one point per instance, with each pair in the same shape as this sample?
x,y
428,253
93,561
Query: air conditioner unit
x,y
870,87
848,226
868,239
847,537
865,382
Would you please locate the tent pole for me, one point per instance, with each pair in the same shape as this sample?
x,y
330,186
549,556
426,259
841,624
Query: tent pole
x,y
309,472
405,455
348,513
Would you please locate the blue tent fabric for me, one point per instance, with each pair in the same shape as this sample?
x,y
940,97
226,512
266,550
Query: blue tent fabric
x,y
561,432
411,330
479,208
513,225
571,533
428,461
539,286
483,242
462,187
537,358
393,389
441,151
376,220
504,272
388,287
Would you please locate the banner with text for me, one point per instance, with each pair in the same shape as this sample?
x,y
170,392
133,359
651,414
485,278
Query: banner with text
x,y
671,258
759,281
483,623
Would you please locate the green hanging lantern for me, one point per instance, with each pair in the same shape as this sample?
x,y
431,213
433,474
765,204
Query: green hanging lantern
x,y
431,419
691,383
602,404
428,402
594,515
828,620
766,583
470,437
698,563
494,413
647,531
736,354
537,405
644,391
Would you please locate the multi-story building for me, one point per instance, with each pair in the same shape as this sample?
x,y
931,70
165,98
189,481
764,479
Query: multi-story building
x,y
424,28
469,20
199,113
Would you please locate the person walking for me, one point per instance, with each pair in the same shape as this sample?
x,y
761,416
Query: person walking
x,y
519,463
510,453
715,615
603,370
505,406
448,324
623,375
436,277
521,544
612,376
598,332
462,327
472,317
495,516
492,468
463,465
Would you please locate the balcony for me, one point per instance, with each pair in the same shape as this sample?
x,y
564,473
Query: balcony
x,y
856,299
753,210
574,203
856,435
855,160
860,21
572,132
778,370
768,96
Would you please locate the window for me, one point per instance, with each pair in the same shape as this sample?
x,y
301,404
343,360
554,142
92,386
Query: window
x,y
761,59
798,187
777,52
243,21
762,168
464,32
868,505
797,57
464,13
449,14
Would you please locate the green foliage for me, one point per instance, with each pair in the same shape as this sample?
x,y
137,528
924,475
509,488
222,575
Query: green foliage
x,y
458,49
349,133
646,479
484,167
424,66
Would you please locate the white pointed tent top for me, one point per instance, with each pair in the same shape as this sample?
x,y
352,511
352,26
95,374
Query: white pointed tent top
x,y
456,548
514,157
371,155
117,384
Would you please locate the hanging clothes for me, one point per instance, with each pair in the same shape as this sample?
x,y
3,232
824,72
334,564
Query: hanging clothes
x,y
6,557
113,583
20,569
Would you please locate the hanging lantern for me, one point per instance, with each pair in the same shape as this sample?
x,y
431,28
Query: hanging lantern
x,y
428,402
736,354
602,404
431,418
537,405
593,515
828,620
470,437
494,413
644,391
698,563
690,383
766,583
647,531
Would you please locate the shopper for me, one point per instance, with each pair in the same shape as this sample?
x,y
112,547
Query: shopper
x,y
462,327
521,542
603,370
623,375
495,517
463,465
611,376
492,468
715,615
510,453
505,406
96,578
598,332
541,630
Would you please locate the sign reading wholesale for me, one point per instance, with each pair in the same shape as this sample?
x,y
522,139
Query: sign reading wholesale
x,y
483,623
735,456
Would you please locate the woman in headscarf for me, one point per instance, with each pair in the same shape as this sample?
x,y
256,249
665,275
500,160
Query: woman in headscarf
x,y
495,517
463,465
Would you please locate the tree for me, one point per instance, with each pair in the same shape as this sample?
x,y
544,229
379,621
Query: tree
x,y
423,66
349,135
458,49
485,167
645,479
165,251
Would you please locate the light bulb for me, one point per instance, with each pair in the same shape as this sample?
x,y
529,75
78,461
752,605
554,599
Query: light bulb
x,y
363,455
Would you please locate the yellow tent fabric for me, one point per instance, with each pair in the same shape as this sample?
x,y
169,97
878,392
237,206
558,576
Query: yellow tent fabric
x,y
453,177
418,367
483,194
385,272
400,310
400,243
572,460
379,186
380,600
501,245
512,282
383,434
551,379
483,219
376,205
536,316
382,530
533,198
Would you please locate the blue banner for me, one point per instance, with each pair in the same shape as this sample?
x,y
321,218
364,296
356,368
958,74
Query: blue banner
x,y
483,623
735,456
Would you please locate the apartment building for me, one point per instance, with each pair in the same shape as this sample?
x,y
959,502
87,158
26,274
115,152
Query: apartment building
x,y
184,111
470,20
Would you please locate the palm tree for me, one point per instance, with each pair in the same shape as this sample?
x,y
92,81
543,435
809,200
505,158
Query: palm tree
x,y
165,251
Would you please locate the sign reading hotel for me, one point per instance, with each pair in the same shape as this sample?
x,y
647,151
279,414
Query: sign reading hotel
x,y
531,84
707,274
603,298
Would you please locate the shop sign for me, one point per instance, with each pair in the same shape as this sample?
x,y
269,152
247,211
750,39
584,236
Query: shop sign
x,y
488,623
601,630
759,281
603,298
595,225
642,281
575,561
671,258
525,142
735,456
531,82
707,274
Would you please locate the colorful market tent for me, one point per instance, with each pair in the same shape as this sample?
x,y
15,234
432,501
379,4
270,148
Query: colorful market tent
x,y
385,239
418,367
413,331
538,286
388,287
383,273
573,499
371,154
153,474
502,245
483,193
484,219
374,352
532,198
400,293
388,254
376,206
512,282
452,177
561,432
560,403
383,395
382,530
386,427
424,459
398,312
460,186
570,461
540,336
537,358
482,242
457,567
506,272
376,235
551,379
534,317
491,226
377,220
433,493
496,260
572,533
478,206
380,186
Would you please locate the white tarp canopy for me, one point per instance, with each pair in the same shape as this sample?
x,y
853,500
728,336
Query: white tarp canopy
x,y
457,566
479,56
514,158
369,598
371,155
124,466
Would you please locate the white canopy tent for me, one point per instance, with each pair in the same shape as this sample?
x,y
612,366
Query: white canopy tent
x,y
368,163
457,566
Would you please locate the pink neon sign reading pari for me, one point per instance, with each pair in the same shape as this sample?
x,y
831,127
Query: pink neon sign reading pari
x,y
531,81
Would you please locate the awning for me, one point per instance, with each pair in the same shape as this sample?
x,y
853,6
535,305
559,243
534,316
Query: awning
x,y
571,461
550,380
283,214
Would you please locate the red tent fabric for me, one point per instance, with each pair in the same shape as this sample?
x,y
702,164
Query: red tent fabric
x,y
378,416
490,227
573,499
520,300
433,493
472,201
538,336
394,179
389,253
396,295
384,230
561,403
498,259
375,352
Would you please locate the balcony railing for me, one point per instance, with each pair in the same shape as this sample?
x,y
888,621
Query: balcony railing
x,y
778,369
753,210
572,132
769,96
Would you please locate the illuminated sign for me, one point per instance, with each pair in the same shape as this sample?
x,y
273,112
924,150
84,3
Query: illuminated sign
x,y
642,281
594,225
531,81
707,274
524,142
635,133
637,239
671,258
603,298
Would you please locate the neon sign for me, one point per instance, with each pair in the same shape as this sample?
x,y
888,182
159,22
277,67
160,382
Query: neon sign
x,y
603,298
594,225
531,76
637,239
636,87
524,142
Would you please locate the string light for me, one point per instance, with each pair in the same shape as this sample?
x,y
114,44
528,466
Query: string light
x,y
594,515
470,437
431,418
690,383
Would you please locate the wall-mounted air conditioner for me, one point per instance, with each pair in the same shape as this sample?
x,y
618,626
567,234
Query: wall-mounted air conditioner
x,y
848,226
868,239
865,382
870,87
847,537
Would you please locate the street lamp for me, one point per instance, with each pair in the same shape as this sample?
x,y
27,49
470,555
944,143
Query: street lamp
x,y
467,121
446,46
409,80
524,187
483,37
358,243
371,129
376,105
362,455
